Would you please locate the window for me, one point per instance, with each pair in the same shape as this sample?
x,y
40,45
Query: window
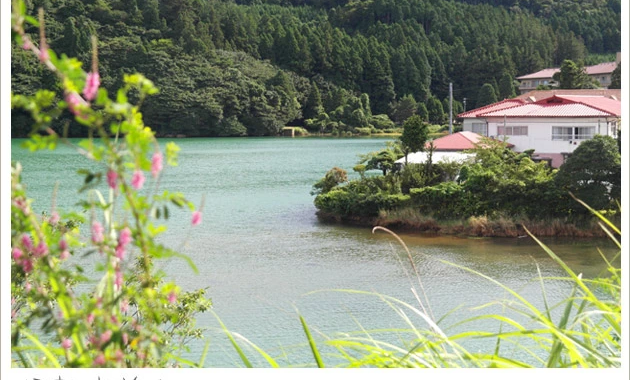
x,y
512,131
572,133
480,128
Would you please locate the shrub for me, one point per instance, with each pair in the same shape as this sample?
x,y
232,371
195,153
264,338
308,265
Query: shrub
x,y
131,316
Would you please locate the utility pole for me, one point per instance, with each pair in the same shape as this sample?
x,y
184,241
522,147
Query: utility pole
x,y
464,104
450,108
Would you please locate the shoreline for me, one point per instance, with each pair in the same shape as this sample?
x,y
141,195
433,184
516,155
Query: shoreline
x,y
474,227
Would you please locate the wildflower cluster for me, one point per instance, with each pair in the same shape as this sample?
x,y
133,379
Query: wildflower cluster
x,y
131,316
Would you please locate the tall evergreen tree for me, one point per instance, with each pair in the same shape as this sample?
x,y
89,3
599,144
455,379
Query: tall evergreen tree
x,y
506,86
435,111
573,75
313,106
615,78
486,95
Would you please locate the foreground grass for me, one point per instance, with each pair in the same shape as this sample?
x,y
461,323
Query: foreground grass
x,y
582,331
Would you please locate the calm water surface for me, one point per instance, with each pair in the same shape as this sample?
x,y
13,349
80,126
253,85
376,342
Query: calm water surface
x,y
265,257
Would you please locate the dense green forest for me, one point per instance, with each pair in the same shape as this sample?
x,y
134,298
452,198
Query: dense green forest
x,y
236,68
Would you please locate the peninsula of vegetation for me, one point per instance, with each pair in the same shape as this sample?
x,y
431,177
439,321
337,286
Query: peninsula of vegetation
x,y
495,192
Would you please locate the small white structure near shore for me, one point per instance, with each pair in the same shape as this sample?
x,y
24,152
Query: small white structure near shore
x,y
437,157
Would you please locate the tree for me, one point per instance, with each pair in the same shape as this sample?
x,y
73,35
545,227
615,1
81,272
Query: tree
x,y
486,95
506,86
435,110
332,179
593,172
414,135
423,112
404,109
615,78
313,106
573,75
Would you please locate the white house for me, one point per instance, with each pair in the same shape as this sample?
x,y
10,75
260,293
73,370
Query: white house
x,y
601,73
553,125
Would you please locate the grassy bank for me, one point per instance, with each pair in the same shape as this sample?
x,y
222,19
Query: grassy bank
x,y
410,220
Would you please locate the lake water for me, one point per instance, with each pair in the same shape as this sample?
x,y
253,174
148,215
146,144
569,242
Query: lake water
x,y
265,258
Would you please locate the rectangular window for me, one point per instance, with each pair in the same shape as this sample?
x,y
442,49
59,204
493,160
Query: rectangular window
x,y
480,128
512,131
584,133
572,133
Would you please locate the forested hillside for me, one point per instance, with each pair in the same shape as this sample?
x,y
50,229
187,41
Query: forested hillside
x,y
233,68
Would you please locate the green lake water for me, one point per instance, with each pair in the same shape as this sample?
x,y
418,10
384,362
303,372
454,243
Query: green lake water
x,y
265,257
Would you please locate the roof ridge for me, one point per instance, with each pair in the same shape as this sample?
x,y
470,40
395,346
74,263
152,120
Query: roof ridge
x,y
589,105
521,101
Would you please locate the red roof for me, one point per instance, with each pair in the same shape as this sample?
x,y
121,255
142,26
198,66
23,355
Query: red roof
x,y
535,95
542,74
457,141
556,106
507,103
602,68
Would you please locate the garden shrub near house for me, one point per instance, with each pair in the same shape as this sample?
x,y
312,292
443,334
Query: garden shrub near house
x,y
593,173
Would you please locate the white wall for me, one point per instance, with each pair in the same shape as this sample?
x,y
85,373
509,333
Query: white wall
x,y
539,135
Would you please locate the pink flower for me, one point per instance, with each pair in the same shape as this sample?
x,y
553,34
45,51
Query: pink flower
x,y
66,344
90,318
196,218
43,54
106,336
123,240
26,44
172,297
41,250
156,164
125,338
16,253
120,252
118,281
112,178
63,246
27,242
137,180
124,306
92,82
99,360
27,266
119,355
27,287
97,232
54,218
74,101
125,236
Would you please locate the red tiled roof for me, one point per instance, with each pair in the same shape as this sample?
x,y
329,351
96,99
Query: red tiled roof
x,y
543,94
559,110
507,103
602,68
557,106
599,102
457,141
545,73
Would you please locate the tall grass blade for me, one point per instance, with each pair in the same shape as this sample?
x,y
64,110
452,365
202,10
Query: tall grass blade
x,y
43,349
598,214
238,349
556,349
311,342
